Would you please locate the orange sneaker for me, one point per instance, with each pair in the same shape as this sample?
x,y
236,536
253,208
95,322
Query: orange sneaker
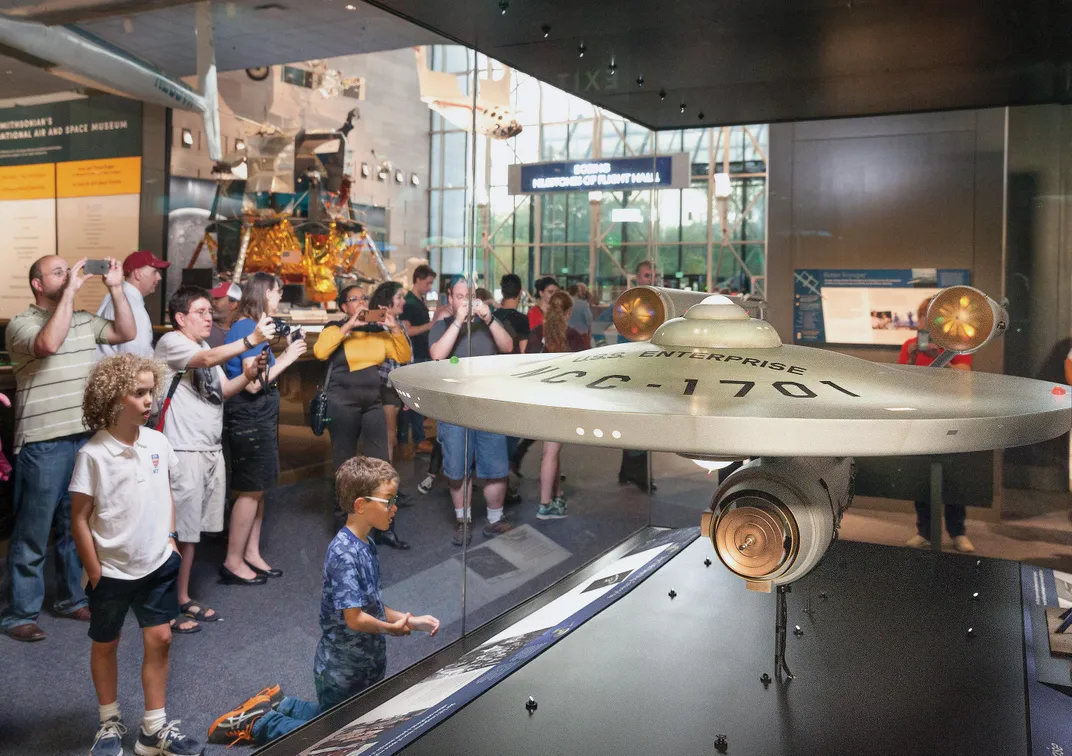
x,y
236,726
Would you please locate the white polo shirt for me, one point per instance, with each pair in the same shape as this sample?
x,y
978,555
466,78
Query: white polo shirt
x,y
131,491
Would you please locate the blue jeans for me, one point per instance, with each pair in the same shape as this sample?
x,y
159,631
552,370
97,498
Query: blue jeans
x,y
42,474
291,714
412,421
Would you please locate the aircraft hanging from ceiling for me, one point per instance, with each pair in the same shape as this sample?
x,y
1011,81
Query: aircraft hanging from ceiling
x,y
492,113
74,54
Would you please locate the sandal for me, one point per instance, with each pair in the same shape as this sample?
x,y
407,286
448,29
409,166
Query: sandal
x,y
196,611
177,626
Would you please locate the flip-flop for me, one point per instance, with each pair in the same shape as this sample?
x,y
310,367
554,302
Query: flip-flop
x,y
177,626
199,614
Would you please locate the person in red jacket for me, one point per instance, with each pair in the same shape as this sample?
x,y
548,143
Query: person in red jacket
x,y
921,351
545,289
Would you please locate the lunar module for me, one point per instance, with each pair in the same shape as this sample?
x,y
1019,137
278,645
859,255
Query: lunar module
x,y
312,238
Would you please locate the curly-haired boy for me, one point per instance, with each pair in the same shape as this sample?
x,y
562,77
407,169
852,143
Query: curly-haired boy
x,y
123,522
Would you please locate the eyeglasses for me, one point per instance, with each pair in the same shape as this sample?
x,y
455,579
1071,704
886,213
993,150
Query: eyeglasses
x,y
355,299
392,502
200,313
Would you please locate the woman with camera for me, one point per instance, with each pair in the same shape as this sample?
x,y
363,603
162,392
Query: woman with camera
x,y
354,349
251,424
390,296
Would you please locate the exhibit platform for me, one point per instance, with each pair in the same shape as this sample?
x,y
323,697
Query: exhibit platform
x,y
656,648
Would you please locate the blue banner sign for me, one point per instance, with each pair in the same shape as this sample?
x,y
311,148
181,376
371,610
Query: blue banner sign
x,y
871,307
609,175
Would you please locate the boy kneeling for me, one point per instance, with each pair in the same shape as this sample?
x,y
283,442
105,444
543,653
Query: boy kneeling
x,y
123,522
352,653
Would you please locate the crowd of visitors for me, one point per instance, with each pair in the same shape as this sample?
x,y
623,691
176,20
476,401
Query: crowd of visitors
x,y
127,451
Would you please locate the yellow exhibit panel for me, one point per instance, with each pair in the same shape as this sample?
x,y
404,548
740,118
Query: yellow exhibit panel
x,y
99,178
28,182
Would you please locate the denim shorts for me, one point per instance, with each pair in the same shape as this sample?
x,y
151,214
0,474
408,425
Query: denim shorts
x,y
154,599
489,450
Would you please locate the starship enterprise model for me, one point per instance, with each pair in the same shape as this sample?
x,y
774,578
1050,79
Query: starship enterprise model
x,y
703,379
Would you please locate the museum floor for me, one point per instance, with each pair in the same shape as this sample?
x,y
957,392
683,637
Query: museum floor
x,y
268,635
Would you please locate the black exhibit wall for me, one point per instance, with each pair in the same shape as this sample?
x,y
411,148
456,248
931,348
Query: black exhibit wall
x,y
909,191
152,229
1039,273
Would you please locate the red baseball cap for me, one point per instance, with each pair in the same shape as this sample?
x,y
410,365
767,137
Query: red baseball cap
x,y
227,289
140,259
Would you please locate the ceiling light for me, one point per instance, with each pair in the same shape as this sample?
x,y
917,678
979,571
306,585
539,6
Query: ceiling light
x,y
546,28
640,81
662,94
503,5
613,67
187,138
682,106
580,49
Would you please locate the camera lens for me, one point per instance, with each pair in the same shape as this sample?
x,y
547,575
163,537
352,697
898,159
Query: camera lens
x,y
282,327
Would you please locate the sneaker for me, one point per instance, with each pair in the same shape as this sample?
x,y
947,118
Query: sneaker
x,y
493,529
460,534
556,510
274,694
918,542
167,741
963,545
109,740
426,485
236,725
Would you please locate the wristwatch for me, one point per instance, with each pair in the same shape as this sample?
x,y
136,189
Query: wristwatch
x,y
173,535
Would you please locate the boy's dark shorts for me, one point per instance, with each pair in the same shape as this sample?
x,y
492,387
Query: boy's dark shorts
x,y
154,599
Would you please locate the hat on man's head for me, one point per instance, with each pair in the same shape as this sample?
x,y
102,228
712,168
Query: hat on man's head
x,y
140,259
227,289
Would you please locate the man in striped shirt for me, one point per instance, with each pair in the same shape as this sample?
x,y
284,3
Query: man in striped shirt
x,y
53,347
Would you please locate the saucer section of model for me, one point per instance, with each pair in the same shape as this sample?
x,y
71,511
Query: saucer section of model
x,y
774,401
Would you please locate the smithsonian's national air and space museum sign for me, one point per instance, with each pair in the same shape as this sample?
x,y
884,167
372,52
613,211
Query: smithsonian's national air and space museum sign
x,y
605,175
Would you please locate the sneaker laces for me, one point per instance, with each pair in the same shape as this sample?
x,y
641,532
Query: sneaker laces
x,y
111,728
169,733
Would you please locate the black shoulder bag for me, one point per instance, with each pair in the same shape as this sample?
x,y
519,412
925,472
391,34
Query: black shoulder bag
x,y
318,407
157,420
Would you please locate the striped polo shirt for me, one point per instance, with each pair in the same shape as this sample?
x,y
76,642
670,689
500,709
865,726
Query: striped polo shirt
x,y
48,403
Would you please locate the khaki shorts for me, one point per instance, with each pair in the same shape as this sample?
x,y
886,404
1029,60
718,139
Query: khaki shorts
x,y
200,490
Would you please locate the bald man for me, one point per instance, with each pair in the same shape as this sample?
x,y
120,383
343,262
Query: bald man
x,y
53,347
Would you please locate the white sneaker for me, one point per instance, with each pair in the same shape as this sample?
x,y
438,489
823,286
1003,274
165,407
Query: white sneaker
x,y
963,545
918,542
426,485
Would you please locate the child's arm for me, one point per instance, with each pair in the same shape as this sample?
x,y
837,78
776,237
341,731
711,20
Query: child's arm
x,y
424,623
363,622
81,511
171,541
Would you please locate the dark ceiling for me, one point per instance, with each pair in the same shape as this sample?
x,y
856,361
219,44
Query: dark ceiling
x,y
741,61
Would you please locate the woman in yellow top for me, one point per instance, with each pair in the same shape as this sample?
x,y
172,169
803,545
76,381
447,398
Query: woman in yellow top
x,y
354,350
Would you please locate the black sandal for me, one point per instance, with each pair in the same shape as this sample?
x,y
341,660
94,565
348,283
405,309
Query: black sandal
x,y
199,615
177,628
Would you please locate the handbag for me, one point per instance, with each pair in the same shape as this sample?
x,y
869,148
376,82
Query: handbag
x,y
318,406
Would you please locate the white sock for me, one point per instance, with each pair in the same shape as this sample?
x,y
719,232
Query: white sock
x,y
494,515
153,721
459,513
107,711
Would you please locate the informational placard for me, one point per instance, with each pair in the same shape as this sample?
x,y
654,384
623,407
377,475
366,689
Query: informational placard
x,y
608,175
28,217
70,184
864,307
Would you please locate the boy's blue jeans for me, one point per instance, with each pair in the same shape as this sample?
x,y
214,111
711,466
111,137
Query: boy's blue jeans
x,y
42,474
292,712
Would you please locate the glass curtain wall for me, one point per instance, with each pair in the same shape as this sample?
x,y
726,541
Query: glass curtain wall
x,y
708,237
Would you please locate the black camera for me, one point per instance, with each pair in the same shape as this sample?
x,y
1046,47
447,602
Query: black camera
x,y
282,327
